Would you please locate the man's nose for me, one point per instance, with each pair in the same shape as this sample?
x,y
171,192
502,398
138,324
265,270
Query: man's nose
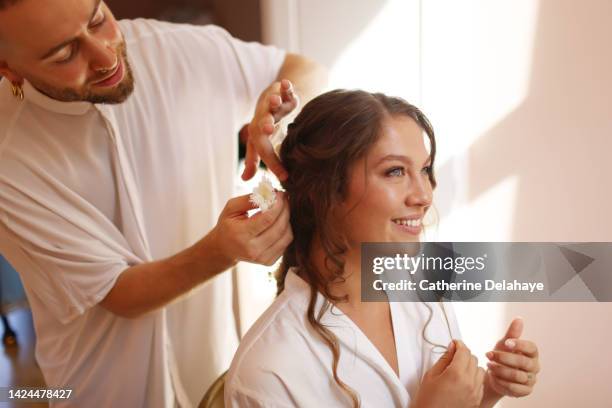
x,y
102,56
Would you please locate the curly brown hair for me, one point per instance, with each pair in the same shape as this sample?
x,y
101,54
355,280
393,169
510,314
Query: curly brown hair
x,y
331,133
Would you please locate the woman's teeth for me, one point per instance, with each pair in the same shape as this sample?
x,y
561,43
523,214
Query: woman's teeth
x,y
410,223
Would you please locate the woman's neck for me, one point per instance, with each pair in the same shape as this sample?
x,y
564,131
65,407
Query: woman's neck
x,y
350,284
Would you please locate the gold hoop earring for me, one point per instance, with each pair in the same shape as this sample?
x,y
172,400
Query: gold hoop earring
x,y
17,91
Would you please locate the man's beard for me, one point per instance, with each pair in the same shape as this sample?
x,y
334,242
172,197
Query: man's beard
x,y
114,95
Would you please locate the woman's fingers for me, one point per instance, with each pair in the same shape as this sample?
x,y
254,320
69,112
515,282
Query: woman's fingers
x,y
473,369
514,360
512,374
529,348
461,358
509,388
480,377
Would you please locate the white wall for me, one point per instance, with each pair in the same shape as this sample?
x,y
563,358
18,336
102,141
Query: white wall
x,y
520,94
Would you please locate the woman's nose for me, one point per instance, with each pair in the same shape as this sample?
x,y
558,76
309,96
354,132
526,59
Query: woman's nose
x,y
420,193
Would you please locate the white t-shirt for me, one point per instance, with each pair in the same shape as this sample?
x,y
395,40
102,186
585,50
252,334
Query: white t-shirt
x,y
283,362
88,190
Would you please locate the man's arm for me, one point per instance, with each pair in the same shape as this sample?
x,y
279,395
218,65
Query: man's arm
x,y
308,77
259,239
145,287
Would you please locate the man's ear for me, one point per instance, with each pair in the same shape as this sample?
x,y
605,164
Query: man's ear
x,y
9,74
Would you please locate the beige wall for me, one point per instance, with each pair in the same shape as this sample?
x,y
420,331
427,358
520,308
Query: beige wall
x,y
528,86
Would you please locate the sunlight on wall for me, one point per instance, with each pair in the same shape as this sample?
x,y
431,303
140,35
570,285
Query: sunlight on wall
x,y
384,57
476,64
464,223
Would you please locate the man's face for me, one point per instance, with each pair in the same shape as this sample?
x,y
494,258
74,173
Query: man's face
x,y
71,50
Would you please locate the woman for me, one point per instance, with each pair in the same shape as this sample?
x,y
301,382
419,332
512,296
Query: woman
x,y
360,169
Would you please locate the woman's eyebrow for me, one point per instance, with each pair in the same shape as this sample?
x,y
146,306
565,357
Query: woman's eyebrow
x,y
401,157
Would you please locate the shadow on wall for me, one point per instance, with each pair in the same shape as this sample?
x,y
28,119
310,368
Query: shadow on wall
x,y
557,143
337,38
558,140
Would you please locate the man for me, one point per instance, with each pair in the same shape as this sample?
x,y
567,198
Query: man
x,y
117,162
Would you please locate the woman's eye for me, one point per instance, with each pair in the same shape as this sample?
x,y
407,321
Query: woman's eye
x,y
396,172
426,170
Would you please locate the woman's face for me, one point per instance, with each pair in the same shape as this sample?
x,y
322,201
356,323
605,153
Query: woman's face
x,y
389,190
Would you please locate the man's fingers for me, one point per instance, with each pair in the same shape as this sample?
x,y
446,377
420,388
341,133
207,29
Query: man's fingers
x,y
277,249
266,151
251,161
264,220
275,108
260,147
266,126
269,236
274,101
280,105
286,103
284,110
238,206
286,88
287,92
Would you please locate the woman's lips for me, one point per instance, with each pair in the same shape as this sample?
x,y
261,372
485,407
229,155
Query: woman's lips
x,y
114,79
410,229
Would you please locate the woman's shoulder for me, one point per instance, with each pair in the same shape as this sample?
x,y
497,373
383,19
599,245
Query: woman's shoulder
x,y
280,328
266,356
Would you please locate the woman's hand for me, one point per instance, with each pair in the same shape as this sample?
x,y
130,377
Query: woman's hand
x,y
514,365
455,381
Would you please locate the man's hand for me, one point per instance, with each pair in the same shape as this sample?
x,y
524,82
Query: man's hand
x,y
514,364
276,102
260,239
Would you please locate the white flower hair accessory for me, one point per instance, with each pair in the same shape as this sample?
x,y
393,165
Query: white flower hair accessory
x,y
264,195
